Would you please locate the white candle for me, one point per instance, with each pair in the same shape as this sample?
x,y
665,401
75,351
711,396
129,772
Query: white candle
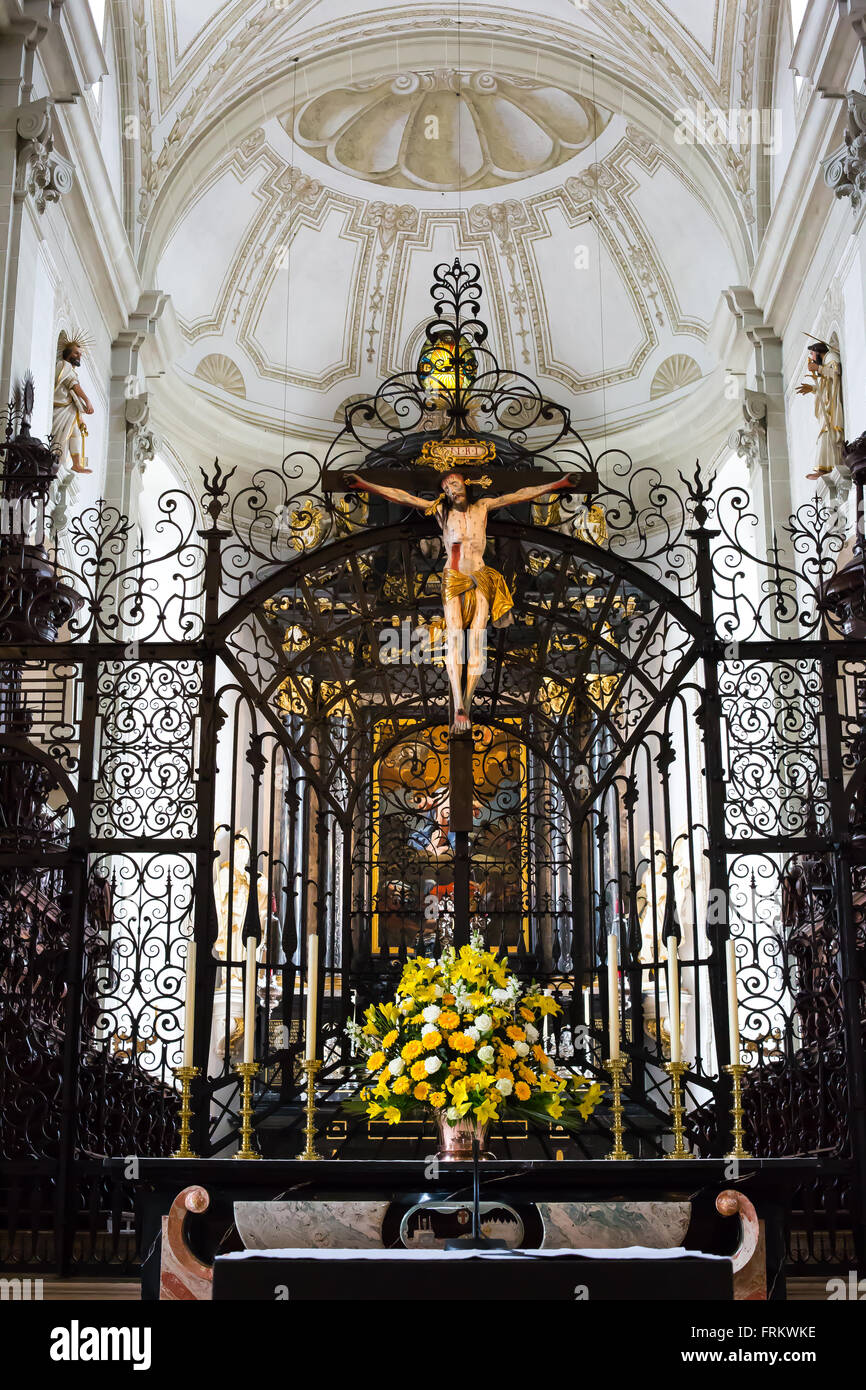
x,y
189,1008
312,994
613,994
733,1010
674,1000
250,1001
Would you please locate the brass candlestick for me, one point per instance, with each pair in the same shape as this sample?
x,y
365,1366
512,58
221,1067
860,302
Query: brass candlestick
x,y
737,1070
616,1066
310,1151
675,1072
246,1071
185,1075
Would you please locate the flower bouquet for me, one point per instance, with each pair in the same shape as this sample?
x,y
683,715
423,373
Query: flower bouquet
x,y
460,1042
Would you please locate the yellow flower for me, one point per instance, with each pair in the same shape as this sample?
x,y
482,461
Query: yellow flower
x,y
431,1040
506,1052
461,1042
412,1050
554,1109
391,1114
417,1071
373,1109
504,1074
437,1099
547,1082
457,1066
375,1061
422,1090
400,1086
522,1091
390,1038
486,1110
448,1019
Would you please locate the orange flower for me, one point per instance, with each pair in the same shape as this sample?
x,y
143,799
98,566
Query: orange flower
x,y
522,1091
448,1019
437,1099
457,1066
515,1034
461,1042
431,1040
506,1052
375,1061
448,999
526,1013
417,1071
422,1090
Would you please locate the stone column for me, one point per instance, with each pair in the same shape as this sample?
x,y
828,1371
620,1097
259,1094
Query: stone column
x,y
30,167
766,433
131,443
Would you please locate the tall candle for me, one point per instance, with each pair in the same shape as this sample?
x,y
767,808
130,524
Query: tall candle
x,y
674,1000
189,1008
733,1010
613,994
312,994
250,1001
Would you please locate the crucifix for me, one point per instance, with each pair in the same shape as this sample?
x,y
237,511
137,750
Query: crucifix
x,y
472,592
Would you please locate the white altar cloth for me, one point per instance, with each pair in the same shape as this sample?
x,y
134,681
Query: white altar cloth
x,y
632,1252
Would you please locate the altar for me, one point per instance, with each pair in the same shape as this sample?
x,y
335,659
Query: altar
x,y
191,1212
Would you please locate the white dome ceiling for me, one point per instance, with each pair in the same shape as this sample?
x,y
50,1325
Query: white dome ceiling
x,y
294,210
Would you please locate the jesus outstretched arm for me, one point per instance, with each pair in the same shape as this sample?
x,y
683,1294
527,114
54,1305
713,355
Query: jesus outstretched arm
x,y
527,494
391,494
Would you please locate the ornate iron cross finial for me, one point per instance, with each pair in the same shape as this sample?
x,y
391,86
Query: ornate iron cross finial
x,y
216,490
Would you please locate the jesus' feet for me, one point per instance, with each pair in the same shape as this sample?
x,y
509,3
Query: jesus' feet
x,y
462,723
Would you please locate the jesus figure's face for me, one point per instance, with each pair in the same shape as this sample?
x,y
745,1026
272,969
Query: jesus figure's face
x,y
455,490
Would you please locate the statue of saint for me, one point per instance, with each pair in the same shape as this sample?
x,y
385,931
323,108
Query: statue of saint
x,y
825,368
68,430
652,896
232,894
472,592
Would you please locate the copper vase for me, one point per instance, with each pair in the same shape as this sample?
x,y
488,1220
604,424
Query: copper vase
x,y
455,1139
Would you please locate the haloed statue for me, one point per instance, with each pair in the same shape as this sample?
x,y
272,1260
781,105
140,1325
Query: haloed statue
x,y
472,592
825,368
68,430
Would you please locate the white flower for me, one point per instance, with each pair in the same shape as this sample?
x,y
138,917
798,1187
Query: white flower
x,y
484,1023
431,1064
504,1086
500,996
485,1054
472,1033
531,1033
438,991
452,1113
521,1048
431,1013
396,1066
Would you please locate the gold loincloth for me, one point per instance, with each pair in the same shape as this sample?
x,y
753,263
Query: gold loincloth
x,y
492,586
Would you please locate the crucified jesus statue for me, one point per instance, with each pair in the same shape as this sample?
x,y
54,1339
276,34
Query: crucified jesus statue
x,y
472,592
